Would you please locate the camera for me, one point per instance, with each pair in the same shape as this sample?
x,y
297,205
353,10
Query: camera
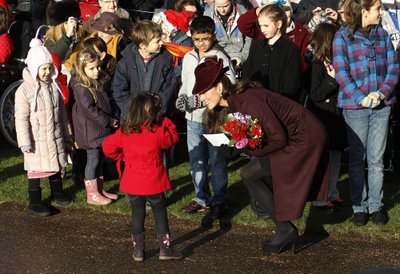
x,y
79,21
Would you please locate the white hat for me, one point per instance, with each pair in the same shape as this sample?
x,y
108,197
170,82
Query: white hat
x,y
38,55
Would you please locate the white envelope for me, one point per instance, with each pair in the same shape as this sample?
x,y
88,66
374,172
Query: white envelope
x,y
217,139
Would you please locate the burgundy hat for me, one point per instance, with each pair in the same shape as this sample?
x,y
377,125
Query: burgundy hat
x,y
208,73
108,22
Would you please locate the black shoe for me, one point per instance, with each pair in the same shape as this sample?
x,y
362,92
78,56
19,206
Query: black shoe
x,y
285,243
217,211
379,218
39,209
360,218
60,199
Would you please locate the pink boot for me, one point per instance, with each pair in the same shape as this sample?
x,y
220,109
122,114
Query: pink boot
x,y
111,196
93,196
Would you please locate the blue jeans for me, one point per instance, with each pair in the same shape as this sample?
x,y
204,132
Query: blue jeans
x,y
200,152
367,131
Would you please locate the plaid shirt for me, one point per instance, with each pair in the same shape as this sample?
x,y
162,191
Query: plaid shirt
x,y
364,65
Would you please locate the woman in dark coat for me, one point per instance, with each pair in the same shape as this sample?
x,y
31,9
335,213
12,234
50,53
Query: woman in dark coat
x,y
296,144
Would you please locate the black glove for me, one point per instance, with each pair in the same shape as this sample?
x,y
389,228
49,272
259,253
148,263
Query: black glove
x,y
229,152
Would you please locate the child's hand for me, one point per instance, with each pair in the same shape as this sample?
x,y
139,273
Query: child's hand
x,y
330,69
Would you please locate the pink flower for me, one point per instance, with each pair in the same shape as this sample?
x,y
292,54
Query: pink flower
x,y
242,143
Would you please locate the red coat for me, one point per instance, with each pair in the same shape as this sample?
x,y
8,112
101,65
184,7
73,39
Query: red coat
x,y
6,48
297,145
247,24
144,172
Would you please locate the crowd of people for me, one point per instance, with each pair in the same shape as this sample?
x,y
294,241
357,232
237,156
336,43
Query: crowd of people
x,y
320,76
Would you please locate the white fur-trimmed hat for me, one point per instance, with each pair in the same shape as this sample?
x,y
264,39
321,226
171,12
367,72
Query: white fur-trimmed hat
x,y
38,55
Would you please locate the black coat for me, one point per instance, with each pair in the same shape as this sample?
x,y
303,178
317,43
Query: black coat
x,y
324,95
277,67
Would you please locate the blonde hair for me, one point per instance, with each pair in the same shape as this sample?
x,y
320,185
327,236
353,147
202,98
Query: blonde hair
x,y
54,33
85,56
276,13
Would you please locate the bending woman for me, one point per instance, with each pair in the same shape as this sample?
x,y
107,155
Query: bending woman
x,y
296,145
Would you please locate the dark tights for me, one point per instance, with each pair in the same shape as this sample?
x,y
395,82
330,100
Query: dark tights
x,y
158,206
252,175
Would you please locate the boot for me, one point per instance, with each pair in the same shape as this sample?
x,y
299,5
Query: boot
x,y
59,197
93,197
166,251
138,247
286,233
100,181
35,203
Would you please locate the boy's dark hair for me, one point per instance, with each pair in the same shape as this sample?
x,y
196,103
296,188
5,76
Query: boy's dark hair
x,y
181,4
144,31
3,20
202,24
144,111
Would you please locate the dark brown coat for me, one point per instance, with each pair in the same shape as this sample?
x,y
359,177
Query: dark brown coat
x,y
297,145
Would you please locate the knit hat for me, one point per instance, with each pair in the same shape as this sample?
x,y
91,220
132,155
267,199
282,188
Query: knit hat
x,y
108,22
209,72
282,3
38,55
58,11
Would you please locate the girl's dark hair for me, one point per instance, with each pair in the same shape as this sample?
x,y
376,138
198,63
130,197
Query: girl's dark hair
x,y
3,20
217,117
143,111
276,13
352,13
321,41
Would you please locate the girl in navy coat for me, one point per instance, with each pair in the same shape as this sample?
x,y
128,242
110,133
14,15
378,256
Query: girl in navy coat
x,y
92,119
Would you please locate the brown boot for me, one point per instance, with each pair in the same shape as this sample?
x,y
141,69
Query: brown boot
x,y
138,247
166,251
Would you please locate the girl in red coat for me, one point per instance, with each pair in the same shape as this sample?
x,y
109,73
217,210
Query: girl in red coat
x,y
140,143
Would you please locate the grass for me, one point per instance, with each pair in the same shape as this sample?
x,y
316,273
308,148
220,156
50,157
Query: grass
x,y
13,188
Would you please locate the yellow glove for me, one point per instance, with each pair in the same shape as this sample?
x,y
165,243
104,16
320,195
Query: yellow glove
x,y
372,100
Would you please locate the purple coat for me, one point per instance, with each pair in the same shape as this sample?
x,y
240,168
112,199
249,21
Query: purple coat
x,y
91,119
297,145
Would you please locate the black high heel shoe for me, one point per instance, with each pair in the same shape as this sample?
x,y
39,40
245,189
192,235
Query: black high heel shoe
x,y
288,242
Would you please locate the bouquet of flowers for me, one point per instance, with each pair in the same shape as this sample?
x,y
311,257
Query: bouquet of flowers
x,y
243,131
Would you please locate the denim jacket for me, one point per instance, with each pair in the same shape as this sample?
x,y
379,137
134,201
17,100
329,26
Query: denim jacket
x,y
364,65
